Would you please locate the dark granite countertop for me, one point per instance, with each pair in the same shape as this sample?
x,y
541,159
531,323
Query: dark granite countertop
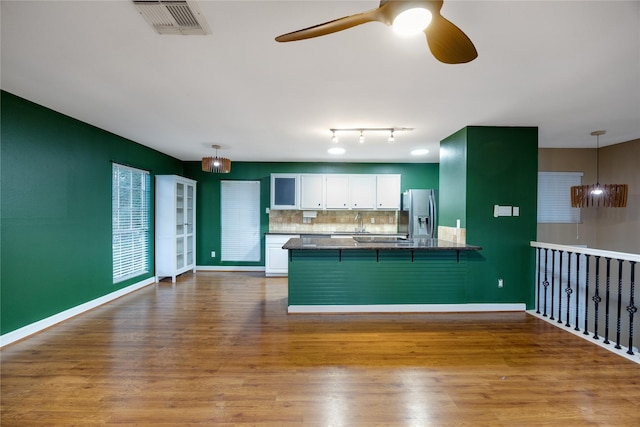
x,y
376,243
336,234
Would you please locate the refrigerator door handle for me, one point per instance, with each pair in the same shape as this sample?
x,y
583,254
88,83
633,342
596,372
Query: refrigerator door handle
x,y
432,215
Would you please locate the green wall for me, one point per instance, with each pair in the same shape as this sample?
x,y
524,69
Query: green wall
x,y
453,180
495,166
414,175
56,210
55,242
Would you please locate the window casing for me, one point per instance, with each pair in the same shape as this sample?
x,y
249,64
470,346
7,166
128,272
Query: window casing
x,y
131,213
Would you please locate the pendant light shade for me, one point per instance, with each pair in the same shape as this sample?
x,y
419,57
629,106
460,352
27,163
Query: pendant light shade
x,y
216,164
606,195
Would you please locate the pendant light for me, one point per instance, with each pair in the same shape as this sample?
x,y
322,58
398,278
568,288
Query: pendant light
x,y
607,195
216,164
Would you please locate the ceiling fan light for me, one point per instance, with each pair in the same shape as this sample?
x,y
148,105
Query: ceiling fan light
x,y
412,21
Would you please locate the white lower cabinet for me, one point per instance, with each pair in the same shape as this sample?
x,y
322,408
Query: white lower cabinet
x,y
276,259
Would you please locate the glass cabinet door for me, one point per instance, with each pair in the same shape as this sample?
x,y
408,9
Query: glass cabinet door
x,y
190,224
180,219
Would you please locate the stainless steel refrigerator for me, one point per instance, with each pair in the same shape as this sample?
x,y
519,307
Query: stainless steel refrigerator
x,y
417,217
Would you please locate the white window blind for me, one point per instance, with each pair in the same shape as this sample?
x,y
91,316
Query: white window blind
x,y
130,222
240,220
554,197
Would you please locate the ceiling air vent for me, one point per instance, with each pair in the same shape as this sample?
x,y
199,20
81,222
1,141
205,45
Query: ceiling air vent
x,y
173,16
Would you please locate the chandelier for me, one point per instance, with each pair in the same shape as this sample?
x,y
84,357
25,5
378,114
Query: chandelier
x,y
607,195
216,164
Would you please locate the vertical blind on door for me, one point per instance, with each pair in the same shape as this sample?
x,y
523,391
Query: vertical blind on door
x,y
240,220
130,222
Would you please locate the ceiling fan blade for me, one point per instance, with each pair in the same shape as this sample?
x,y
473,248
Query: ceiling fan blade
x,y
448,43
331,26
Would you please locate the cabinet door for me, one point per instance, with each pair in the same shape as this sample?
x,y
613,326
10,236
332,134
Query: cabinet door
x,y
190,224
312,191
276,258
284,191
362,191
388,192
180,225
337,192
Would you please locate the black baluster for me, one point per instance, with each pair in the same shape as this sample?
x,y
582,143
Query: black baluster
x,y
546,282
596,298
553,279
577,292
560,291
538,287
586,299
606,312
619,303
631,308
568,290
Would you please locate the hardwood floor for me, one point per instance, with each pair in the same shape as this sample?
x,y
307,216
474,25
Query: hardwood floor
x,y
219,349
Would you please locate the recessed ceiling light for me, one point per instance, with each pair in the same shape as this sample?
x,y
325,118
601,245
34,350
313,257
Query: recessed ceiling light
x,y
419,152
336,150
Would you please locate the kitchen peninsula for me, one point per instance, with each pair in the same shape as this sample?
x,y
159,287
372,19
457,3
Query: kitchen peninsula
x,y
378,274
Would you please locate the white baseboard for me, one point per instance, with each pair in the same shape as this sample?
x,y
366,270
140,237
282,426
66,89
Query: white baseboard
x,y
589,337
405,308
229,268
43,324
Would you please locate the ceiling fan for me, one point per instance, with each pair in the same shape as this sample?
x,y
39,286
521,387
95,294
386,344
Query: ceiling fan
x,y
447,42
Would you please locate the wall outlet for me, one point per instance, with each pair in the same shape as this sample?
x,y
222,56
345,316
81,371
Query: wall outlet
x,y
373,220
500,283
213,254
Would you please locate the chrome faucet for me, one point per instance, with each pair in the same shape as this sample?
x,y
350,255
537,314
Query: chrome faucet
x,y
361,229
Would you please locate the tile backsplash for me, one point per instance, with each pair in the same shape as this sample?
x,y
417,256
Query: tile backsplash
x,y
452,234
327,221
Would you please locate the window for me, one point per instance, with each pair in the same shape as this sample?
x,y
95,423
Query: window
x,y
130,222
554,197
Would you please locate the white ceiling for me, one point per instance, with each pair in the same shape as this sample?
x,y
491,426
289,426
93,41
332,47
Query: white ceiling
x,y
567,67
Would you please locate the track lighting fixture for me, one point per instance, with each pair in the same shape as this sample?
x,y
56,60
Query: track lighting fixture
x,y
361,138
334,138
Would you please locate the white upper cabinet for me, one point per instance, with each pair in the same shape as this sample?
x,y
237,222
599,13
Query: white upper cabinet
x,y
284,191
362,191
311,191
388,192
337,191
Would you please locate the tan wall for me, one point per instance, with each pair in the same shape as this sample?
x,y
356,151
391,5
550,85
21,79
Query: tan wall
x,y
615,229
619,229
570,160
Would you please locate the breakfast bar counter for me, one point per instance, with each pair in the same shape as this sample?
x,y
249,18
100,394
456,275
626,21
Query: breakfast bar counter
x,y
376,243
378,274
